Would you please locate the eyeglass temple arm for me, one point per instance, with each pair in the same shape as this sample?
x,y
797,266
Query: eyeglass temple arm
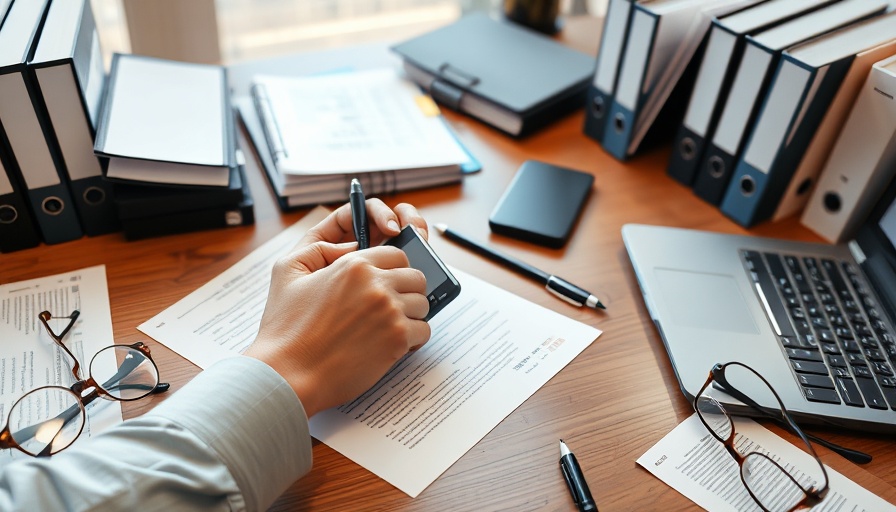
x,y
847,453
45,317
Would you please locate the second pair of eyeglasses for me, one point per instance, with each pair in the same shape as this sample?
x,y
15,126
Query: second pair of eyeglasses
x,y
48,419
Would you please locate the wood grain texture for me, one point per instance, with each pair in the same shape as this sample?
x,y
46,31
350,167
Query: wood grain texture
x,y
612,403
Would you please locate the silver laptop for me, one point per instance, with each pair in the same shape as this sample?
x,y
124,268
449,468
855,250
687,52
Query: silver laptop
x,y
815,320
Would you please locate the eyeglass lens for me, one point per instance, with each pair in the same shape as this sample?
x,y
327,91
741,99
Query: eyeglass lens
x,y
773,484
46,420
124,372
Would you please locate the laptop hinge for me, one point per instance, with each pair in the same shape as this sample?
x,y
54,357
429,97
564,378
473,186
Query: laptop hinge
x,y
856,251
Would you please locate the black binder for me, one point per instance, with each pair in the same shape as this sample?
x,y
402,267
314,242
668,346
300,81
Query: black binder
x,y
725,46
610,52
71,80
30,141
759,61
17,228
508,76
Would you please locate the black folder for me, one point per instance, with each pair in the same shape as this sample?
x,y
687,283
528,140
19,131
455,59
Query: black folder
x,y
508,76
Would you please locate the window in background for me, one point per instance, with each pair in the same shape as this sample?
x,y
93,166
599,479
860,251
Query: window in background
x,y
251,29
111,25
254,29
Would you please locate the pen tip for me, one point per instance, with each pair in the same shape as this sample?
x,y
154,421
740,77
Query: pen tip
x,y
601,306
441,228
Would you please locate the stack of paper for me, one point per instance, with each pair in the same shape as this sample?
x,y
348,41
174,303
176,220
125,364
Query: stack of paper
x,y
321,131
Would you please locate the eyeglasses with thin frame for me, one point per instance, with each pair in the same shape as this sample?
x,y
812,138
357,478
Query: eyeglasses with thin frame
x,y
48,419
772,485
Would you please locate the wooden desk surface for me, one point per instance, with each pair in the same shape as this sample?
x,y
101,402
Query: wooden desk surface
x,y
610,404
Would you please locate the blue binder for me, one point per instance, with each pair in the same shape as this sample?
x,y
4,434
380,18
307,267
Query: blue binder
x,y
807,79
610,52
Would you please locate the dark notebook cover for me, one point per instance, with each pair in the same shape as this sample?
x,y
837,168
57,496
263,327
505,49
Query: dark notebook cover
x,y
516,68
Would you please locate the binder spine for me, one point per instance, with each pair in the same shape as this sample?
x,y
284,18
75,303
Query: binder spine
x,y
737,116
612,48
708,95
623,113
759,178
71,128
17,229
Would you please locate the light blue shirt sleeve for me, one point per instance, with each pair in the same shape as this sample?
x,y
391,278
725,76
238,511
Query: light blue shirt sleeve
x,y
234,438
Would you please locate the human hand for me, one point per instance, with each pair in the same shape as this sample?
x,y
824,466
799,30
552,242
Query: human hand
x,y
385,223
337,319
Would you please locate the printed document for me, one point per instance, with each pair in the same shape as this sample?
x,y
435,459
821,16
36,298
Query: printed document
x,y
29,358
489,351
696,464
359,121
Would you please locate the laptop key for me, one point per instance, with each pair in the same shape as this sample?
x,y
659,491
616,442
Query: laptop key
x,y
830,348
815,381
842,332
872,394
890,394
777,269
837,361
873,354
841,371
882,369
809,367
790,342
804,355
860,370
850,392
828,396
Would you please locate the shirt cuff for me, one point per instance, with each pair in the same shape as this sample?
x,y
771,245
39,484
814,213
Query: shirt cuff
x,y
253,420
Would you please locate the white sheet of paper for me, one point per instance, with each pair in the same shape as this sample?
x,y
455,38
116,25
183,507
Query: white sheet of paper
x,y
694,463
360,121
221,318
490,350
29,356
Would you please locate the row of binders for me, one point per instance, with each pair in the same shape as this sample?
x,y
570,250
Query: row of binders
x,y
55,103
790,102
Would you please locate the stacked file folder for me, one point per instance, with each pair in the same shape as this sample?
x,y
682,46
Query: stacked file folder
x,y
167,133
314,134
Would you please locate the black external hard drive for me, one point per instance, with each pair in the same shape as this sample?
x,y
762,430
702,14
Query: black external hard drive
x,y
541,204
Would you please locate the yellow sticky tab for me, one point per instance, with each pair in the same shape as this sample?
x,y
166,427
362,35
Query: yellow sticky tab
x,y
427,106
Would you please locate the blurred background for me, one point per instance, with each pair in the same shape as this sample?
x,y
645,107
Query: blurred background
x,y
253,29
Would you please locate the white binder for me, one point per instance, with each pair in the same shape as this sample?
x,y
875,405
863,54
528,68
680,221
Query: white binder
x,y
862,161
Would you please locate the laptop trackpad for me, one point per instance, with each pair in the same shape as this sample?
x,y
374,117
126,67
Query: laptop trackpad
x,y
705,301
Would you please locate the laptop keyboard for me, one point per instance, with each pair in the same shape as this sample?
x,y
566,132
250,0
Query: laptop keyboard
x,y
831,328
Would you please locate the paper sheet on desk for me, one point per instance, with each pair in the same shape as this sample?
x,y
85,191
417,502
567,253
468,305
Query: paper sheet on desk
x,y
29,358
489,351
695,464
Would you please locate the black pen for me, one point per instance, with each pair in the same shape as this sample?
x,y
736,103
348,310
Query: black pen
x,y
578,487
359,215
556,285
